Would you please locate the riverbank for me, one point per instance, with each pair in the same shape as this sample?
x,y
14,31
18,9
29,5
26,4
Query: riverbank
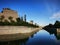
x,y
9,33
58,31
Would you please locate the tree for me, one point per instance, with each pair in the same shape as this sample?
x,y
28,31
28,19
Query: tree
x,y
18,19
50,26
10,18
57,24
21,18
25,17
6,22
1,18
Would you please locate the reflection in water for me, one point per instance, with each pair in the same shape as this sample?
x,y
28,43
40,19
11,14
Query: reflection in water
x,y
54,32
40,38
16,42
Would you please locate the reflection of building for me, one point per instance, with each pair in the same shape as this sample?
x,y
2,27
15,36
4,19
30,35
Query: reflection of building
x,y
7,12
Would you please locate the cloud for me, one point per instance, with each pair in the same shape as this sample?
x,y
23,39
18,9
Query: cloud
x,y
55,15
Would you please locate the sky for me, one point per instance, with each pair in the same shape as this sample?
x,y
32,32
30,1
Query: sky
x,y
41,12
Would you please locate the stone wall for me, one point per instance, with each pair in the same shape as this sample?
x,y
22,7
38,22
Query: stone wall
x,y
8,12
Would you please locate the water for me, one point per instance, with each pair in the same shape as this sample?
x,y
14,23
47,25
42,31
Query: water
x,y
42,37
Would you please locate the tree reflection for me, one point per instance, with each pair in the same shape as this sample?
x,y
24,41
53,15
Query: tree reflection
x,y
16,42
55,33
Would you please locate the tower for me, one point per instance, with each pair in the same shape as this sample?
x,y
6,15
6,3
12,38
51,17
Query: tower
x,y
25,17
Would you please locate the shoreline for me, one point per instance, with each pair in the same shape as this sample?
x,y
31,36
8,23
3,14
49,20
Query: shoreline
x,y
16,32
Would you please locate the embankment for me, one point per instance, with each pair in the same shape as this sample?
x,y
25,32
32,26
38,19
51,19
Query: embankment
x,y
9,33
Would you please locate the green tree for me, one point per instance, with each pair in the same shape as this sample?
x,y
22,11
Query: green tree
x,y
10,18
21,18
57,24
18,19
25,17
1,18
6,22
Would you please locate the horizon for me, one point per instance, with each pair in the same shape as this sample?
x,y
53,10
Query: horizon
x,y
41,12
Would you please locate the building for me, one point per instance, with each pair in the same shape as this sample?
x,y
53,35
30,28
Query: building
x,y
31,22
25,17
7,12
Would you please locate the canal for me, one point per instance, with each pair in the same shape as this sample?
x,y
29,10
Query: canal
x,y
41,37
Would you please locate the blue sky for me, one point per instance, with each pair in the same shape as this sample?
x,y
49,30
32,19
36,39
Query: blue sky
x,y
42,12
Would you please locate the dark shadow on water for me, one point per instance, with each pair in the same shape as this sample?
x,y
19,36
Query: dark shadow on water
x,y
15,42
53,31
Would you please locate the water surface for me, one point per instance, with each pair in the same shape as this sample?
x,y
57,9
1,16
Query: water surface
x,y
42,37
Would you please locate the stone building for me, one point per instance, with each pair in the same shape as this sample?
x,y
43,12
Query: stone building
x,y
7,12
31,22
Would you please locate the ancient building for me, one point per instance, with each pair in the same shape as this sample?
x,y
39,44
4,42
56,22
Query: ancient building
x,y
31,22
7,12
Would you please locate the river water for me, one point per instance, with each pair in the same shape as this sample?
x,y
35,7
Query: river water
x,y
41,37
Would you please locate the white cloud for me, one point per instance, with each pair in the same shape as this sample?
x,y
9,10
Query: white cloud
x,y
55,15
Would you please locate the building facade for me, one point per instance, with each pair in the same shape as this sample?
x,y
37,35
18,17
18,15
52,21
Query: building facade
x,y
7,12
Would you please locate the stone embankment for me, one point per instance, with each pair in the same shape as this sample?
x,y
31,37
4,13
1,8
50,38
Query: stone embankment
x,y
9,33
